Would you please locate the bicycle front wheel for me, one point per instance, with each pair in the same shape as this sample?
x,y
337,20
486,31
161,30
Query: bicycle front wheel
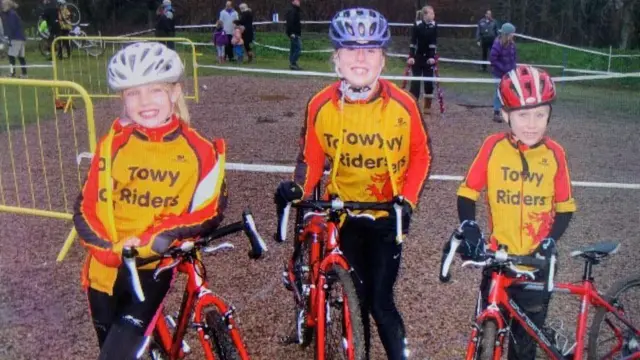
x,y
344,333
610,338
487,341
221,341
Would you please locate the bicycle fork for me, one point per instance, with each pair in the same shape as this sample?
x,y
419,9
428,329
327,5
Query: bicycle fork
x,y
323,313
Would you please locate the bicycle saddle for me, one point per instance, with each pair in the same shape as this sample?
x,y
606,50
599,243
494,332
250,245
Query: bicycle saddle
x,y
597,251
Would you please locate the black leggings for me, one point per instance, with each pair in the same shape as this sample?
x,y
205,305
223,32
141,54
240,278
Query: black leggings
x,y
23,65
371,250
121,321
422,68
535,305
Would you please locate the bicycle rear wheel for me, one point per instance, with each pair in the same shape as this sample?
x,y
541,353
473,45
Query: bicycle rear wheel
x,y
221,342
74,14
344,333
610,338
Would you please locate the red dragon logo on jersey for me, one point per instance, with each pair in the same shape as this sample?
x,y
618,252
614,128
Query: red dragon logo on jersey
x,y
381,185
545,220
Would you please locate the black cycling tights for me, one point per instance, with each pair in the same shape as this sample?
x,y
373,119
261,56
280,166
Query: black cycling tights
x,y
371,250
121,320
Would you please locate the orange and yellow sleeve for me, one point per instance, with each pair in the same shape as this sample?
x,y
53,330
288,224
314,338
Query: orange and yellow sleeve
x,y
476,179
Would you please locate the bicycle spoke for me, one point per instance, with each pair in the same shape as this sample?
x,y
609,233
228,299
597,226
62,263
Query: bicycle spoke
x,y
344,337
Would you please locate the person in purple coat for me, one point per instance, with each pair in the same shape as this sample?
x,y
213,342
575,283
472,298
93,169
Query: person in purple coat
x,y
503,60
14,31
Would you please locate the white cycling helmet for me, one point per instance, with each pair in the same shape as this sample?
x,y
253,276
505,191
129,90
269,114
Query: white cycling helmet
x,y
144,63
62,2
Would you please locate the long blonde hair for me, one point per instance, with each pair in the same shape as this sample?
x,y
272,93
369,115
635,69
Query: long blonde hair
x,y
181,108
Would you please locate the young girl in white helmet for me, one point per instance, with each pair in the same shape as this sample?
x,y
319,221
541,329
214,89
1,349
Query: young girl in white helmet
x,y
373,135
166,183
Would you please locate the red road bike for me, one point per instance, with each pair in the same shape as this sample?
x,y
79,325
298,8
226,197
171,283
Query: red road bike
x,y
321,279
612,334
201,309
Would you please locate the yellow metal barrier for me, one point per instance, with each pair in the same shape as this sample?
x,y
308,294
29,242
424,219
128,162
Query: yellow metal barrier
x,y
87,65
40,172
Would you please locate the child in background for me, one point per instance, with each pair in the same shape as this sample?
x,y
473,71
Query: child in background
x,y
237,41
220,40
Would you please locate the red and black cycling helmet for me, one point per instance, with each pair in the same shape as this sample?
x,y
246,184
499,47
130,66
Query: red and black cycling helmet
x,y
526,87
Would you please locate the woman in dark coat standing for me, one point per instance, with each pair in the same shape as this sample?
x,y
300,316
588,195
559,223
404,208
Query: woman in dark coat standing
x,y
246,19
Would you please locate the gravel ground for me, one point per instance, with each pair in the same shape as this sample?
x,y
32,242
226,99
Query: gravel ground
x,y
43,308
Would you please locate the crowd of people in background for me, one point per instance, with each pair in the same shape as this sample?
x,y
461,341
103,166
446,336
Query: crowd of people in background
x,y
238,30
234,32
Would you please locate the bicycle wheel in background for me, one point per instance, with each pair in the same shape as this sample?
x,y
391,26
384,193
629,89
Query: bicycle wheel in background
x,y
93,47
74,14
610,338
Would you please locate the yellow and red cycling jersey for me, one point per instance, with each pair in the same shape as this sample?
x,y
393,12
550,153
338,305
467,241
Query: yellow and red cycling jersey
x,y
167,184
522,204
377,148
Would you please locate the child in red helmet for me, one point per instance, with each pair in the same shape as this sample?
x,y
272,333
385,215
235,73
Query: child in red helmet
x,y
528,188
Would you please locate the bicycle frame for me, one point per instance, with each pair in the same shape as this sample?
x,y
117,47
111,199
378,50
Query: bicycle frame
x,y
499,299
323,234
196,298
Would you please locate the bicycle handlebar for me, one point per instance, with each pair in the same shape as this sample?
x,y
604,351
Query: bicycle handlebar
x,y
497,259
339,206
258,247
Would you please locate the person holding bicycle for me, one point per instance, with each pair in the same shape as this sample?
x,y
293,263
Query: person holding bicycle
x,y
50,16
166,184
372,134
529,194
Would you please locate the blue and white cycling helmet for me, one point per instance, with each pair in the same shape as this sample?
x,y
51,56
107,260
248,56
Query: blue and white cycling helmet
x,y
359,28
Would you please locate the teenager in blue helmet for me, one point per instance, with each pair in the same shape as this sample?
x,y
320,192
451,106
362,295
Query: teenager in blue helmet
x,y
373,135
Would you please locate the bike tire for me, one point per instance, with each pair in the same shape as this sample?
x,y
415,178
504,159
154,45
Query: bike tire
x,y
486,345
612,295
335,275
221,342
45,49
74,11
304,333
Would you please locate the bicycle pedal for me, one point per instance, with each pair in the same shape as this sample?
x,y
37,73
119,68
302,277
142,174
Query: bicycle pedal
x,y
185,347
286,282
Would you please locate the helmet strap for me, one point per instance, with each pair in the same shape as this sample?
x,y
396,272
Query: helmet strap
x,y
356,93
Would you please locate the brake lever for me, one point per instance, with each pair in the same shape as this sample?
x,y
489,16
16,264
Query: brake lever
x,y
552,270
162,269
284,223
222,246
530,274
129,257
469,263
398,210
